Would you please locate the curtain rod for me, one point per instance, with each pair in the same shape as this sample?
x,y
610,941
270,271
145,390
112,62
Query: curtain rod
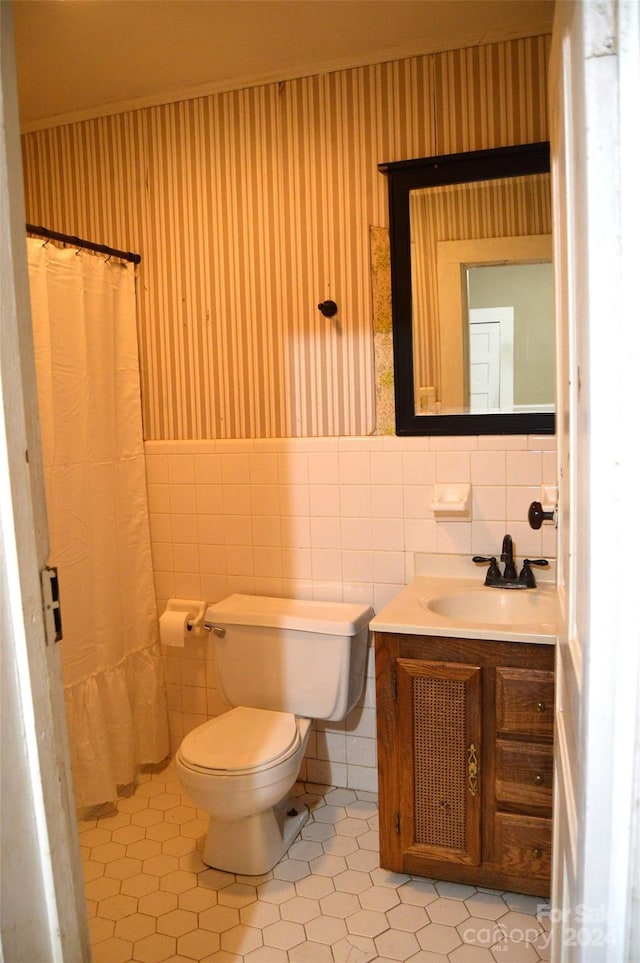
x,y
78,242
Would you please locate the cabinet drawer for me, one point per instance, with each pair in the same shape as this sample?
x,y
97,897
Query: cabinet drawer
x,y
524,774
523,845
524,702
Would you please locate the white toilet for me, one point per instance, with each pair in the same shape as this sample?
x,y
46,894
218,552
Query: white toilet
x,y
280,663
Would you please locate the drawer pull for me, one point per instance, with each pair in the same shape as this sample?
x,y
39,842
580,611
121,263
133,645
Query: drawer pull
x,y
538,779
536,853
473,769
541,707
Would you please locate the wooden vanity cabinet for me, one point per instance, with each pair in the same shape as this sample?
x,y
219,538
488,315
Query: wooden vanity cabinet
x,y
465,759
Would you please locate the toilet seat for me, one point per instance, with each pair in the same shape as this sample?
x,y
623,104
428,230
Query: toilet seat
x,y
240,741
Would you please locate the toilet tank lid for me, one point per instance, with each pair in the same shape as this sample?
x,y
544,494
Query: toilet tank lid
x,y
330,618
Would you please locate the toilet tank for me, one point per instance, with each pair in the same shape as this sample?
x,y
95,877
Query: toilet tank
x,y
290,655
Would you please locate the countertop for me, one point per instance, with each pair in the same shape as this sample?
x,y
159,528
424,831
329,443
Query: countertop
x,y
409,612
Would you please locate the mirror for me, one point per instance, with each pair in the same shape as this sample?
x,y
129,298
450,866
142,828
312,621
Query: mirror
x,y
472,292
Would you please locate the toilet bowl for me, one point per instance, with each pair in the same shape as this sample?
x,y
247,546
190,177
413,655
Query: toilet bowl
x,y
239,768
280,663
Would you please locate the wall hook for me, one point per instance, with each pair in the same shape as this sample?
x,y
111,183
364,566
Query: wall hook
x,y
328,308
537,515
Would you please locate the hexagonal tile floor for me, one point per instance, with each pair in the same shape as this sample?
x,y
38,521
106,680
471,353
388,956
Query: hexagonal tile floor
x,y
151,898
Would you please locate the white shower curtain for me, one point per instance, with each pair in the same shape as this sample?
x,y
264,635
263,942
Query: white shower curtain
x,y
86,351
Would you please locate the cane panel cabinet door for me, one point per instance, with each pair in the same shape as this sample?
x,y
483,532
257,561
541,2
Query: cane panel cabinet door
x,y
465,759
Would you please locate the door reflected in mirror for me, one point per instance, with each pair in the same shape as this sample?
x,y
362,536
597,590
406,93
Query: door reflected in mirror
x,y
472,292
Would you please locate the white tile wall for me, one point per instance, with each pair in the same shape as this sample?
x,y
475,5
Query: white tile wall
x,y
324,518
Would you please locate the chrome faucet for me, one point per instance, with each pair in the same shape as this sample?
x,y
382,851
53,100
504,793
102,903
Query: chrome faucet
x,y
510,579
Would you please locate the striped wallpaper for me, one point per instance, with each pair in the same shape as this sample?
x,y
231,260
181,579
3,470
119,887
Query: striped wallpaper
x,y
250,207
492,95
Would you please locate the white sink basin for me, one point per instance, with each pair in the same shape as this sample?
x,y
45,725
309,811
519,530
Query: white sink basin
x,y
447,599
495,606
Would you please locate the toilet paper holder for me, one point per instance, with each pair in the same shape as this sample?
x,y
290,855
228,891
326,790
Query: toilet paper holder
x,y
194,612
195,624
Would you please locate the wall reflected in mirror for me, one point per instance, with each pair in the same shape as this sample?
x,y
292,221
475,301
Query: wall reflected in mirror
x,y
483,323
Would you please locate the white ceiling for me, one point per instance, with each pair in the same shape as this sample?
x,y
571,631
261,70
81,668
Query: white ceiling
x,y
82,58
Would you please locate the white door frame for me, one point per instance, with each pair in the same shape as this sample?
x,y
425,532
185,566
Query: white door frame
x,y
595,144
42,897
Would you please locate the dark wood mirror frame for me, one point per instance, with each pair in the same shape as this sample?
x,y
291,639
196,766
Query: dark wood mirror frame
x,y
403,177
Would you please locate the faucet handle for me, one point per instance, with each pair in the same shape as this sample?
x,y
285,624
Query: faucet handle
x,y
493,571
526,575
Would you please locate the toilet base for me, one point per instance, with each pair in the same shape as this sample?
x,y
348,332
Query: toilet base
x,y
253,846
